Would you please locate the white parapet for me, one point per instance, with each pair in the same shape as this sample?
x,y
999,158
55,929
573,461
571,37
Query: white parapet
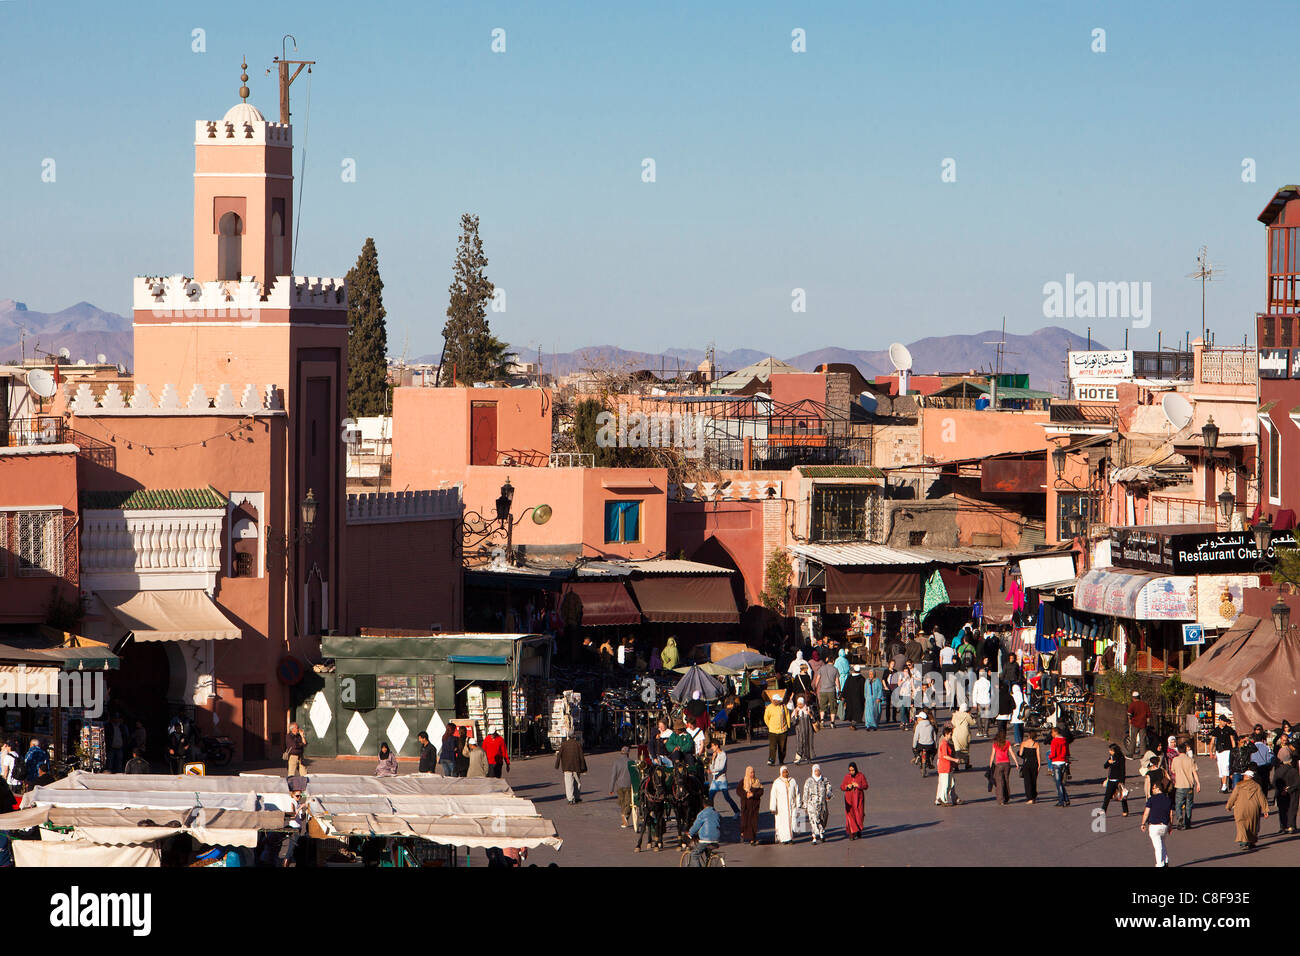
x,y
180,298
264,400
393,506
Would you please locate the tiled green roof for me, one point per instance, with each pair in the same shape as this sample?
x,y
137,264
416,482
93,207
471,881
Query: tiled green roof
x,y
152,499
840,471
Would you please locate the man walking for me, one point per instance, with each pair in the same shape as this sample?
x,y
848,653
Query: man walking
x,y
494,746
1225,739
890,679
620,785
946,794
1286,781
428,753
1138,715
1187,783
118,738
570,760
777,719
294,745
827,682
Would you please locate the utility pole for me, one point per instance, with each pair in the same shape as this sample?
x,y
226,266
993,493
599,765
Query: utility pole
x,y
283,63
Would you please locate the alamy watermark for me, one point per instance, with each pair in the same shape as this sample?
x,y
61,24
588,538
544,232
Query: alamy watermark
x,y
637,429
1098,300
83,690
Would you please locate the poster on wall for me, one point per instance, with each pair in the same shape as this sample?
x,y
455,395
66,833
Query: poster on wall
x,y
1167,599
1219,597
1193,634
395,690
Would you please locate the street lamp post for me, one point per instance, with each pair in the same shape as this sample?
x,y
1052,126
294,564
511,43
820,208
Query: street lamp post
x,y
475,529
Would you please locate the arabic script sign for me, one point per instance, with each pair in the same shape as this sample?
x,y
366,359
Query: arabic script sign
x,y
1098,365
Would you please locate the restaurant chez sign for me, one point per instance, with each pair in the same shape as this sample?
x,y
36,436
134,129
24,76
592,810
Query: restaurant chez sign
x,y
1231,552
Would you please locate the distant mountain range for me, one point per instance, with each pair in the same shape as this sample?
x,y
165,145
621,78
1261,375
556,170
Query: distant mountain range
x,y
86,331
1041,354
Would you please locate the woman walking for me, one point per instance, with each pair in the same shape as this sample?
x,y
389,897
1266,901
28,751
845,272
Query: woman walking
x,y
1029,764
1116,771
817,800
1156,818
718,776
983,697
751,801
1000,760
783,803
804,720
854,786
875,696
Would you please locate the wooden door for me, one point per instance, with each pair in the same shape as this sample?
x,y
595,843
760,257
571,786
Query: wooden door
x,y
254,696
483,433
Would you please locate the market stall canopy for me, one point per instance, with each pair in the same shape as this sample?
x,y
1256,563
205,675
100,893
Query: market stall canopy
x,y
691,599
696,680
865,555
188,615
1137,595
420,784
1274,683
1047,571
1232,657
867,587
142,825
712,668
83,853
746,659
997,604
962,586
39,645
604,602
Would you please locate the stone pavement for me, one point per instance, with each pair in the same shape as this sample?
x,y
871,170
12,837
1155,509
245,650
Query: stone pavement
x,y
904,827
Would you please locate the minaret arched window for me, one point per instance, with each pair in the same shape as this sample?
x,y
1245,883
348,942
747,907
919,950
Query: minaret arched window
x,y
230,240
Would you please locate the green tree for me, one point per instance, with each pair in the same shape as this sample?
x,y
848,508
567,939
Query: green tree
x,y
470,352
776,582
367,336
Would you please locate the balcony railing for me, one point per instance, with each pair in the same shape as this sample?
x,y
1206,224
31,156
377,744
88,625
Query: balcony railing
x,y
1169,510
1229,366
1085,413
51,430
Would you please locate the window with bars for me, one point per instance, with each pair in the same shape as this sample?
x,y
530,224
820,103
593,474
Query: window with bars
x,y
39,537
845,514
1073,503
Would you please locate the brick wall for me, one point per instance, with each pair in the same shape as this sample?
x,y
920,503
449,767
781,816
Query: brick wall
x,y
404,574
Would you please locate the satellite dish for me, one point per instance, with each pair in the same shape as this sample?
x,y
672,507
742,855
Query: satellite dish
x,y
121,369
81,361
900,356
1177,409
101,359
41,383
64,353
541,514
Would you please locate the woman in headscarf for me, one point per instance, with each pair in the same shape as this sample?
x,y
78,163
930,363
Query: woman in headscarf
x,y
854,786
783,803
842,665
797,663
854,694
803,721
751,801
802,685
817,800
875,698
669,656
387,766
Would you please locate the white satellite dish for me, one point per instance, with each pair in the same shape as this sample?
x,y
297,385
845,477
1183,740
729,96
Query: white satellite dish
x,y
41,383
1177,409
64,353
101,359
902,359
121,369
81,361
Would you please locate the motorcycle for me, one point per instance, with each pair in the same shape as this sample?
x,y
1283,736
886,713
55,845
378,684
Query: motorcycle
x,y
215,751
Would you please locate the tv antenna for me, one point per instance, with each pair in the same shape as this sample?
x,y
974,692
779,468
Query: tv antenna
x,y
283,63
1001,351
1206,272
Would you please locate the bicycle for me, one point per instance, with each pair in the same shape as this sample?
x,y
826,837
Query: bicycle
x,y
712,857
924,758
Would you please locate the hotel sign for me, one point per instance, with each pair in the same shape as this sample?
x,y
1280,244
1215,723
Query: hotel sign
x,y
1274,363
1100,366
1092,392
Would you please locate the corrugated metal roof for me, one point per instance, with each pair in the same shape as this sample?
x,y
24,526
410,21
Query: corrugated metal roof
x,y
845,555
840,471
600,569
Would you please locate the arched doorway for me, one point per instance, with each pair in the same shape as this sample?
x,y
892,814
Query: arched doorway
x,y
230,243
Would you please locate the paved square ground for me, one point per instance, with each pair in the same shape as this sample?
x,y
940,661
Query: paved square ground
x,y
904,828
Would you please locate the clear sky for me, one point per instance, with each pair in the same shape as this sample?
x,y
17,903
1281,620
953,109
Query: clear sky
x,y
775,170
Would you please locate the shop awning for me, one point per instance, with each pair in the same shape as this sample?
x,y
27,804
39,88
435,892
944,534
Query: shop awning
x,y
1037,572
849,586
1137,596
604,602
1224,664
997,607
962,586
169,615
691,599
29,679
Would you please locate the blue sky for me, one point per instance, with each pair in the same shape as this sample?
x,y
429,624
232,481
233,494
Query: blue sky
x,y
775,170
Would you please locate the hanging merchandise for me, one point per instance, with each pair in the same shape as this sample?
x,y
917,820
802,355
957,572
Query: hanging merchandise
x,y
935,595
1016,595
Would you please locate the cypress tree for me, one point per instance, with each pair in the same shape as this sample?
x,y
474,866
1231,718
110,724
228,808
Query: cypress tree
x,y
367,336
470,351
